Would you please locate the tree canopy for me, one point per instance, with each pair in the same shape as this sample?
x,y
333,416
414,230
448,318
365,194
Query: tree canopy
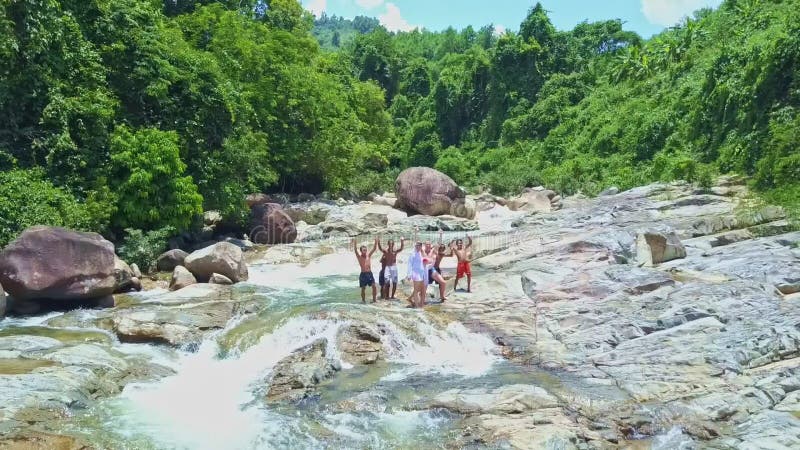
x,y
140,113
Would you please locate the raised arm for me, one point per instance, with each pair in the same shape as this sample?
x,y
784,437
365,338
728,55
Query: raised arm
x,y
440,236
355,249
379,245
469,241
402,245
374,247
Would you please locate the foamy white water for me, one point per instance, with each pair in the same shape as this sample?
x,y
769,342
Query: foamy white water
x,y
214,403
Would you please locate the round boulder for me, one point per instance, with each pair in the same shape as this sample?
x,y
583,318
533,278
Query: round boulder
x,y
181,278
58,264
422,190
223,258
171,259
271,225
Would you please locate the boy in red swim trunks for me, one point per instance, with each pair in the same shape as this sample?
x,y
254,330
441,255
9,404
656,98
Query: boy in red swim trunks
x,y
464,255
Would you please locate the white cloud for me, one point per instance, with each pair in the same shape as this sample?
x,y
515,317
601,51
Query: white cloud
x,y
670,12
499,30
317,7
369,4
393,20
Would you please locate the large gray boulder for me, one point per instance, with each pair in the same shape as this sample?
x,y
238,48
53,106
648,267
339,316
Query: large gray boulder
x,y
58,264
269,224
422,190
223,258
171,259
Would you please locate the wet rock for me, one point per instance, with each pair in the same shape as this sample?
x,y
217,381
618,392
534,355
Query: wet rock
x,y
219,279
510,399
173,326
422,190
655,247
295,377
29,440
58,264
223,258
179,318
171,259
359,344
2,302
181,278
26,343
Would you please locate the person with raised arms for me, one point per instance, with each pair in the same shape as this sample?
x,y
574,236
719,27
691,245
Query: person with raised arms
x,y
391,274
366,278
464,256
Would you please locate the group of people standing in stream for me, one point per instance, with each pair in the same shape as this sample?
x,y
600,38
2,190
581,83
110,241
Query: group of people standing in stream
x,y
423,268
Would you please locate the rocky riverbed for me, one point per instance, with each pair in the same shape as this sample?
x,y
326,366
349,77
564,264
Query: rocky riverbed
x,y
661,317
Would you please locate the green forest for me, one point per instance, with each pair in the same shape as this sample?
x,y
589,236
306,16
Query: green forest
x,y
134,116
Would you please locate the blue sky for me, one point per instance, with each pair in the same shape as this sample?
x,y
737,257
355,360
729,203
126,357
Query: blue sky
x,y
646,17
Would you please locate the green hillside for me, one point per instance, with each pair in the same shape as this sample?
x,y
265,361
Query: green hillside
x,y
138,114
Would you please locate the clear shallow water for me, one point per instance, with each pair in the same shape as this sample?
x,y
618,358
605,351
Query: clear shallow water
x,y
215,399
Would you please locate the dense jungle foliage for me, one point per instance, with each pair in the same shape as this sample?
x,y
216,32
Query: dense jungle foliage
x,y
139,114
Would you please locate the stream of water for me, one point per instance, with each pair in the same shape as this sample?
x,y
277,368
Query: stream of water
x,y
215,399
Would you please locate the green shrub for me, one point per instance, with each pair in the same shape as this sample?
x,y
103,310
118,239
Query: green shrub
x,y
149,180
370,181
28,199
457,166
144,248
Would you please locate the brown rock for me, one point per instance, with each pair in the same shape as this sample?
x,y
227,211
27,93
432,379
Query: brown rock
x,y
422,190
223,258
271,225
181,277
58,264
171,259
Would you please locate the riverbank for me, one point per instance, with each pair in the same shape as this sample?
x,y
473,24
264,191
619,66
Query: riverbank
x,y
569,340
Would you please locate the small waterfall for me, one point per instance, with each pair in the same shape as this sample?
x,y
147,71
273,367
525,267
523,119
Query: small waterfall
x,y
213,403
